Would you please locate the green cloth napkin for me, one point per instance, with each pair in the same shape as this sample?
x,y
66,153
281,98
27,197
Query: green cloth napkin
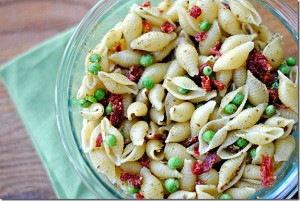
x,y
30,82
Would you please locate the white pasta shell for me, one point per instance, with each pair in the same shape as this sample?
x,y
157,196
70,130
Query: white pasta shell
x,y
240,193
213,36
160,55
247,117
252,172
125,127
152,131
229,97
207,192
187,23
133,152
133,167
151,14
210,178
156,96
228,22
172,84
234,58
132,27
261,134
246,184
217,126
88,89
176,150
152,41
138,132
103,164
182,112
126,58
157,116
126,101
154,150
274,52
187,57
137,109
142,96
294,75
284,148
230,172
182,195
230,140
281,122
288,92
188,179
200,117
111,38
114,153
288,113
94,112
151,188
209,10
179,132
117,83
156,72
86,133
161,170
172,12
240,76
175,70
266,149
234,41
209,95
170,101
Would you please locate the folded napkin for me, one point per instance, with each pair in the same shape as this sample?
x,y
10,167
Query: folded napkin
x,y
33,75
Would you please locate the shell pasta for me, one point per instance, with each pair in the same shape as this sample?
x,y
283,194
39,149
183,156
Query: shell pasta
x,y
189,100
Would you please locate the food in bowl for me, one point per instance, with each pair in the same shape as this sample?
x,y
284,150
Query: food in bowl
x,y
189,100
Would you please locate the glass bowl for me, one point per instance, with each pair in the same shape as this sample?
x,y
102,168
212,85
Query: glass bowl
x,y
279,16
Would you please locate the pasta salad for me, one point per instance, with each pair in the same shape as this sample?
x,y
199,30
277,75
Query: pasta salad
x,y
189,99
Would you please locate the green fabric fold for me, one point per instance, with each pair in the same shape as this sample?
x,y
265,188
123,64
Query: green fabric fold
x,y
30,81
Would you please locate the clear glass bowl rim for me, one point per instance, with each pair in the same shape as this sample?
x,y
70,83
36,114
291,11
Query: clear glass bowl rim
x,y
286,15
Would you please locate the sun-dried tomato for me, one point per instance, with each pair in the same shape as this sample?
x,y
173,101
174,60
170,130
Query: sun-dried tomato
x,y
115,119
196,151
99,140
199,182
157,136
226,5
135,181
134,74
125,176
273,95
195,12
146,4
167,27
147,26
206,83
282,106
139,195
203,66
206,165
201,36
218,84
266,171
145,162
216,48
117,115
267,78
190,141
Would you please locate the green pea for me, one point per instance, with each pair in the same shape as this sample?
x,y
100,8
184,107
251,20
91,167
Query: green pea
x,y
205,25
199,105
92,99
171,185
94,68
253,153
208,136
132,190
84,103
225,197
248,105
183,90
148,83
291,61
241,142
207,70
174,162
99,94
230,108
270,110
187,76
285,69
111,140
146,60
238,99
95,58
109,109
275,85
